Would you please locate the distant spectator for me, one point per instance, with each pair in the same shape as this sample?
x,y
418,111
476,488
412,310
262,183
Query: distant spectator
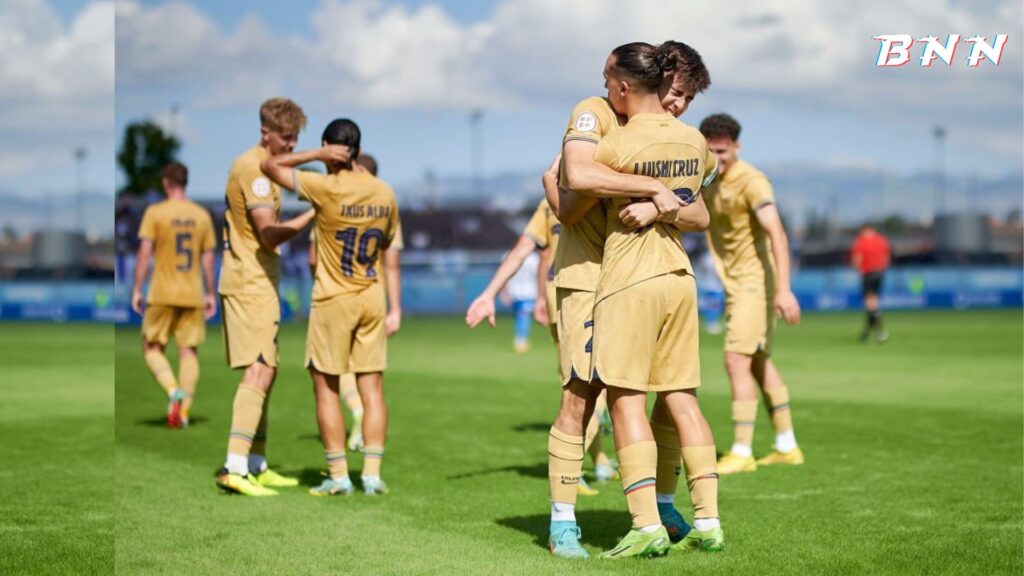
x,y
870,255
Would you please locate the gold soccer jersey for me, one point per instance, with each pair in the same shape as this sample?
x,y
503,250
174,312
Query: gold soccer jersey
x,y
581,245
660,146
248,267
739,245
180,231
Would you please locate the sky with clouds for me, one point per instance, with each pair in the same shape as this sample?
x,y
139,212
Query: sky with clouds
x,y
799,74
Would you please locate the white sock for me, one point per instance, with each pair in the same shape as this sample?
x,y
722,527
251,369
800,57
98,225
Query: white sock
x,y
651,528
257,463
237,464
665,498
563,512
703,524
339,478
742,450
785,441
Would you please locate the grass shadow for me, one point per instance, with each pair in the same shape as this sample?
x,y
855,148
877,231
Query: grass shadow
x,y
601,528
539,470
533,427
161,422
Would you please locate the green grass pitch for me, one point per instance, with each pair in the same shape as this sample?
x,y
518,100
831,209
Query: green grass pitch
x,y
57,511
914,461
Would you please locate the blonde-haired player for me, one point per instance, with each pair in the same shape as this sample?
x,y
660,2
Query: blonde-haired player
x,y
251,308
357,220
180,234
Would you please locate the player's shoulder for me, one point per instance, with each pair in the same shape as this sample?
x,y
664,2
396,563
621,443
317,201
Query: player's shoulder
x,y
747,172
597,103
597,107
249,160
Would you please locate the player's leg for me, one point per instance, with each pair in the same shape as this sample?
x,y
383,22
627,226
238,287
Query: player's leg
x,y
350,396
375,426
157,326
776,398
247,410
188,378
698,452
669,467
523,314
604,470
565,466
740,457
331,422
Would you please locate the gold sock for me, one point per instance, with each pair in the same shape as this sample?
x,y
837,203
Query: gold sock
x,y
590,437
669,463
245,418
259,441
350,393
778,407
372,457
565,463
638,465
161,369
702,479
337,463
744,414
188,377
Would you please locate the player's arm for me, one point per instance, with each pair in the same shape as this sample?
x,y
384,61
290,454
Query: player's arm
x,y
393,283
693,217
550,182
540,309
483,306
209,300
273,233
281,168
786,304
312,257
586,175
855,256
142,258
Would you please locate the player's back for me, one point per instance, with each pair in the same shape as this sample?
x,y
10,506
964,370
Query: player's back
x,y
659,146
181,231
248,266
357,218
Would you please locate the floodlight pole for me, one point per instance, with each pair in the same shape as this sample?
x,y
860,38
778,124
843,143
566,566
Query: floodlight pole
x,y
939,133
80,154
477,150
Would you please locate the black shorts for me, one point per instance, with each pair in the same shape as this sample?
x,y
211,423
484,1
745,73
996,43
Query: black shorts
x,y
871,283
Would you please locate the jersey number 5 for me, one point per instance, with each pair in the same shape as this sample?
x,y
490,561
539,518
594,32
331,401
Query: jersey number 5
x,y
183,246
347,237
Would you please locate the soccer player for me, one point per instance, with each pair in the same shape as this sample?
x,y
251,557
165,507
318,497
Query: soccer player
x,y
180,234
751,254
392,262
577,265
357,220
870,256
250,269
542,232
645,308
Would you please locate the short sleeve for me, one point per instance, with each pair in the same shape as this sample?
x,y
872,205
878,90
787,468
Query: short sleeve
x,y
147,230
395,240
209,242
606,154
710,168
398,241
591,120
257,189
758,192
537,227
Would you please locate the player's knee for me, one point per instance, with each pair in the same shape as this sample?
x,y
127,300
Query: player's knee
x,y
737,364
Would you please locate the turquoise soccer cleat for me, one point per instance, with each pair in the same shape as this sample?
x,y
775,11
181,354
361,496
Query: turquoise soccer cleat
x,y
564,540
332,487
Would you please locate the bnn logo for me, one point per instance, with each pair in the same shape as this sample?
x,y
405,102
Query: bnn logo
x,y
895,49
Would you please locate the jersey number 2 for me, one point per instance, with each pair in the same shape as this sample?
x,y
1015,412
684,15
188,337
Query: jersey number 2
x,y
347,237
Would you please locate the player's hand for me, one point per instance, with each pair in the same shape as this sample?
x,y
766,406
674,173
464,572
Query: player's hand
x,y
540,312
666,201
335,153
638,214
137,301
787,306
209,306
482,307
392,322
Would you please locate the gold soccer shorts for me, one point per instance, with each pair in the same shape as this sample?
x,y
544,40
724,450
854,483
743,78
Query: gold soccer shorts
x,y
575,309
749,324
646,335
347,334
188,325
250,328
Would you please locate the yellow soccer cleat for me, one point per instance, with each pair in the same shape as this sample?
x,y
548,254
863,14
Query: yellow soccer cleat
x,y
272,479
731,463
244,485
793,457
584,489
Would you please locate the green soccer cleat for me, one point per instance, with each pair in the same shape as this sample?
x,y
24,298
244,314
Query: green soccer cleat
x,y
272,479
244,485
373,485
641,545
564,540
332,487
707,540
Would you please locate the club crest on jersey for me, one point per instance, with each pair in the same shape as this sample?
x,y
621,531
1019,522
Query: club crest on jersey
x,y
261,187
894,49
586,122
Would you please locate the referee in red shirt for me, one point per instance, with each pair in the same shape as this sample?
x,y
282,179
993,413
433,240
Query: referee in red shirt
x,y
870,256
